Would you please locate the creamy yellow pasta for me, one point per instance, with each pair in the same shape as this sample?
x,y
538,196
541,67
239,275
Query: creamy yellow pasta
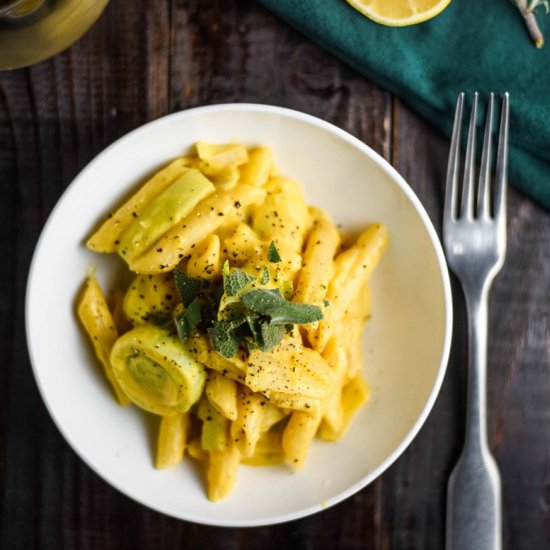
x,y
242,326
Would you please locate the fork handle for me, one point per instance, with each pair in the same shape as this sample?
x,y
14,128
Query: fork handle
x,y
474,495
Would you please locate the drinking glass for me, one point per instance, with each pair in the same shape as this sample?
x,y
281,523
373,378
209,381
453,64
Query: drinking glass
x,y
34,30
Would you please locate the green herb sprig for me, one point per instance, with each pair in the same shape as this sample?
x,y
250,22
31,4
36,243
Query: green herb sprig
x,y
249,318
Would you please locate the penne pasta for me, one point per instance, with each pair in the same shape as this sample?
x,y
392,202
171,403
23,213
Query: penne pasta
x,y
336,356
268,451
247,427
149,296
195,450
171,440
297,437
98,322
284,216
222,393
204,260
214,435
216,158
352,270
354,395
210,214
258,168
222,472
317,263
242,325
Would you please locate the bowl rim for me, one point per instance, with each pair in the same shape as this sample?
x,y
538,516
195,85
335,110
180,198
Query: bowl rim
x,y
386,167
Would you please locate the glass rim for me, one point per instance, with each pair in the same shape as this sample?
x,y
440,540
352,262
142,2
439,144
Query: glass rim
x,y
5,11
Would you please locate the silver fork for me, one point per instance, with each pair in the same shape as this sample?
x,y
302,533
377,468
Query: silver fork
x,y
474,237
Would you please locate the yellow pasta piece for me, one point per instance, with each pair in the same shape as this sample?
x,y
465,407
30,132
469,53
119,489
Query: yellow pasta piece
x,y
294,402
317,262
214,436
264,458
301,357
297,437
292,374
149,296
216,158
268,451
355,358
204,260
344,353
243,249
222,393
336,356
171,440
116,308
222,472
354,348
209,215
226,230
228,367
106,237
284,216
199,348
272,415
259,166
98,322
283,273
227,178
354,395
352,270
195,450
349,332
317,265
247,428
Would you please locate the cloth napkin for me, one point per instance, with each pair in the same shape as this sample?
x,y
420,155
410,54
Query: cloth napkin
x,y
471,46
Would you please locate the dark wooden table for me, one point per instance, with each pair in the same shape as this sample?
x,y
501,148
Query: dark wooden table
x,y
143,60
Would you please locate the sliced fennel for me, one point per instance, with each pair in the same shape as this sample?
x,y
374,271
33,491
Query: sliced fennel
x,y
156,372
163,213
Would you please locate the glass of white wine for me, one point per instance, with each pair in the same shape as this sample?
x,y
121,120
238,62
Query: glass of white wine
x,y
34,30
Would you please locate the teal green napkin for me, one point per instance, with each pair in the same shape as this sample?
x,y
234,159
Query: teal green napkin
x,y
471,46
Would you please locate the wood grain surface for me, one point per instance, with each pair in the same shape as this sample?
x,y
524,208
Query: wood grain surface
x,y
144,59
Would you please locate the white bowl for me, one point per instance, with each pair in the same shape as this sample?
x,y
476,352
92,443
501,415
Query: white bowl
x,y
407,340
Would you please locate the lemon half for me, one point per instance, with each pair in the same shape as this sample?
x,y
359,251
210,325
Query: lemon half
x,y
399,13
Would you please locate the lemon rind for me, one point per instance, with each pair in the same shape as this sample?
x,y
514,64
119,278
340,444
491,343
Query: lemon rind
x,y
408,21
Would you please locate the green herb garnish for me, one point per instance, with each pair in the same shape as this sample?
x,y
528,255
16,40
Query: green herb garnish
x,y
189,319
271,302
271,335
234,281
225,338
265,276
248,319
188,288
273,254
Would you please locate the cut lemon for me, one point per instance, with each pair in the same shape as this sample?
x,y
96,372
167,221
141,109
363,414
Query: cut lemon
x,y
399,13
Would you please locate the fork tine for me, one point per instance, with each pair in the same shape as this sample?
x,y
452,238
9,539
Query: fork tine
x,y
451,185
467,203
502,163
483,197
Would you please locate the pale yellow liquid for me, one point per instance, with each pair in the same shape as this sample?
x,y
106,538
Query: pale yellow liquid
x,y
54,27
